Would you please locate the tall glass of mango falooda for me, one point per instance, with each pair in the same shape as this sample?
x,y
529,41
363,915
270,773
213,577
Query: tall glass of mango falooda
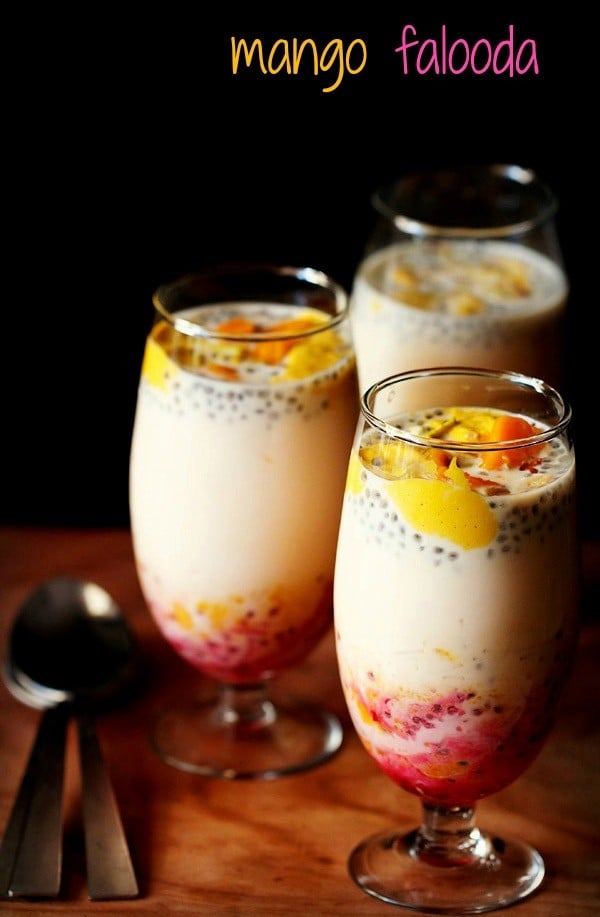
x,y
463,267
246,411
455,605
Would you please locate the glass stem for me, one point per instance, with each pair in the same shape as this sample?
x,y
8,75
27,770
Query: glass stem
x,y
448,836
245,707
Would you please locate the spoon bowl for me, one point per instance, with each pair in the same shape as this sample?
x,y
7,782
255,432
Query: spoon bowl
x,y
69,643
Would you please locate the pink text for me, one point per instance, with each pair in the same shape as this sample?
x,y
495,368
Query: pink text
x,y
446,56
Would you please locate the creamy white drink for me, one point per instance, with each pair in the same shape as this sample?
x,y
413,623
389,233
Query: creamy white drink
x,y
455,598
238,461
427,302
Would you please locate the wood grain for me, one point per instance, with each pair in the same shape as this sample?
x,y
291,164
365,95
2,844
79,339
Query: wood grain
x,y
226,848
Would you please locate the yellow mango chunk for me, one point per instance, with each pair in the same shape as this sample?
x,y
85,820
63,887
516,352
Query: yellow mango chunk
x,y
462,425
418,299
311,355
182,616
456,475
405,276
446,654
157,367
463,303
216,612
354,484
460,433
516,278
230,373
363,712
274,352
445,509
236,325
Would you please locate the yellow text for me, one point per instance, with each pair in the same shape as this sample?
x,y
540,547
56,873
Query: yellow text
x,y
287,56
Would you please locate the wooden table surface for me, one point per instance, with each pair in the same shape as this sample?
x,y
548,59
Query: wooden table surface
x,y
216,847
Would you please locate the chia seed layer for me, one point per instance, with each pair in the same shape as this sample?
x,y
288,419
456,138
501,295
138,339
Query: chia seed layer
x,y
236,402
529,501
187,378
518,521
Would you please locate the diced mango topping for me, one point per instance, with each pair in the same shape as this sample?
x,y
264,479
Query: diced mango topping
x,y
295,325
216,612
434,493
418,299
363,712
513,277
467,425
464,303
182,616
456,279
405,276
460,425
507,427
236,325
312,354
353,480
156,365
291,349
271,352
222,371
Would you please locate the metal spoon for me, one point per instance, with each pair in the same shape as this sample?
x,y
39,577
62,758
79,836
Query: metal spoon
x,y
70,650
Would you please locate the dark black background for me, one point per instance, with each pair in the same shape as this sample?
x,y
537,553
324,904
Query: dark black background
x,y
136,155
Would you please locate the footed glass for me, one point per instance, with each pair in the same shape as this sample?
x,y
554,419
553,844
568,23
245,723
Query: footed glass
x,y
246,410
455,603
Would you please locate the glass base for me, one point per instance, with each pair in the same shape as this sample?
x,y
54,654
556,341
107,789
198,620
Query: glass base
x,y
211,738
389,867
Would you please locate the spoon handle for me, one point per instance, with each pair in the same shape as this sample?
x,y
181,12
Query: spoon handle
x,y
31,852
110,872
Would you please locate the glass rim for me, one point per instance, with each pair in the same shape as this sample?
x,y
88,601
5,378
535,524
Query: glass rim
x,y
518,174
531,382
308,275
